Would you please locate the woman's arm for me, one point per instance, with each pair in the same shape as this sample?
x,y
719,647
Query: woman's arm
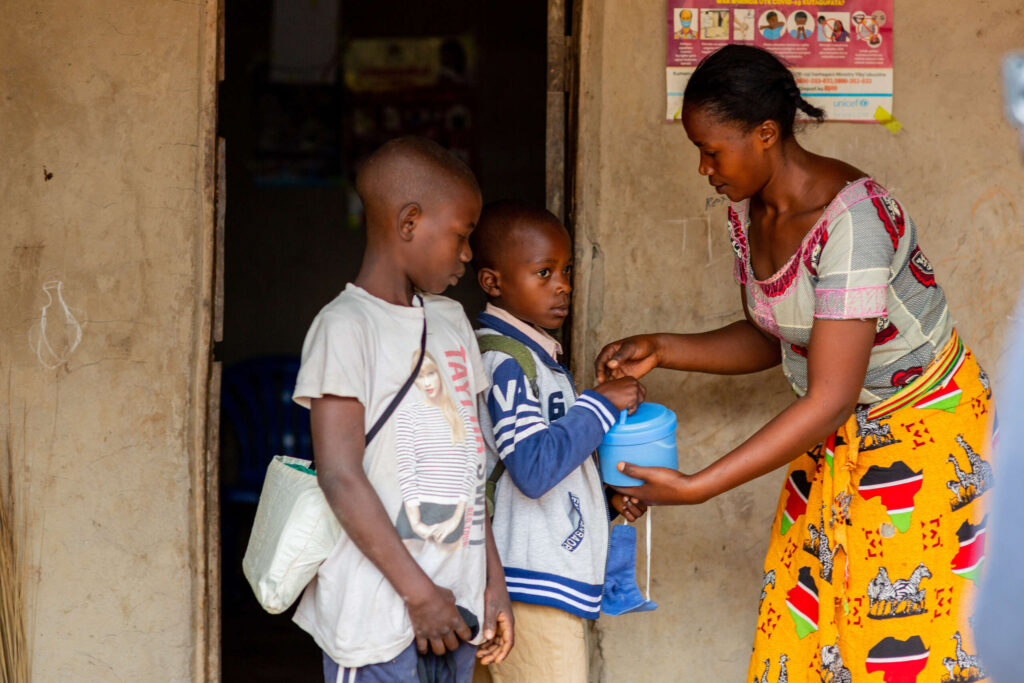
x,y
738,348
837,362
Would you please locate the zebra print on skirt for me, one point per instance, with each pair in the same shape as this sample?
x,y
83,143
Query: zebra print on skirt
x,y
878,539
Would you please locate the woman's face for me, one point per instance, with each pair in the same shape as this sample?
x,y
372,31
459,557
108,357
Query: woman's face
x,y
429,380
733,159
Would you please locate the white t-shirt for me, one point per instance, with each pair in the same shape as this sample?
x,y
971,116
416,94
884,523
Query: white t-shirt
x,y
363,347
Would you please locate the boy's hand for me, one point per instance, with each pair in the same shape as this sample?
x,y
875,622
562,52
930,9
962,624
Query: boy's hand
x,y
630,508
625,393
437,622
499,624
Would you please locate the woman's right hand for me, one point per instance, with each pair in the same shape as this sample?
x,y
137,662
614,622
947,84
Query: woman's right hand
x,y
632,356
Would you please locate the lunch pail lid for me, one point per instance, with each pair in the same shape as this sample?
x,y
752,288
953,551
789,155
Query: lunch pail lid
x,y
650,422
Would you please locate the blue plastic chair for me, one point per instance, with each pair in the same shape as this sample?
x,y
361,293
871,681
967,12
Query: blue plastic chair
x,y
258,411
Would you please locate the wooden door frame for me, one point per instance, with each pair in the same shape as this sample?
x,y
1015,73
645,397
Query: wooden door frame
x,y
560,155
208,330
560,128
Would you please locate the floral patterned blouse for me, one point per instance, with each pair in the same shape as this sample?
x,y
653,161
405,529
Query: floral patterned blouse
x,y
860,260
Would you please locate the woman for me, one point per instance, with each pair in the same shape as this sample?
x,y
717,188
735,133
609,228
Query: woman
x,y
436,460
878,533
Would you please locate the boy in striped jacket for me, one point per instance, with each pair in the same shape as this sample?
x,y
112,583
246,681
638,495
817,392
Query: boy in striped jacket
x,y
550,510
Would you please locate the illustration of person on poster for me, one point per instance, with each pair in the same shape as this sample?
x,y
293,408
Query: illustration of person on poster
x,y
684,31
800,29
831,27
772,25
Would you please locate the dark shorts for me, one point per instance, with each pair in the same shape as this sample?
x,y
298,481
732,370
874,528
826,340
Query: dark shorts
x,y
402,668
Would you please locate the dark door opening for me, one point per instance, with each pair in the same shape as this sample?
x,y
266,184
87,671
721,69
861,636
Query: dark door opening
x,y
310,88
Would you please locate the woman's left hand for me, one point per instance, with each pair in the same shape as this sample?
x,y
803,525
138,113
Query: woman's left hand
x,y
662,485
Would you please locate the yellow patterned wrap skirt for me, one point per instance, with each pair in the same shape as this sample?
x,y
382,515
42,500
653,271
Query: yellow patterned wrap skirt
x,y
879,540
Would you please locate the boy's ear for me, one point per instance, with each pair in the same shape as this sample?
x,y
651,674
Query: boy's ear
x,y
490,282
408,218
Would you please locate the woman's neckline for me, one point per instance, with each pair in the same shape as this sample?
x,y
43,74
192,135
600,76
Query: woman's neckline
x,y
822,219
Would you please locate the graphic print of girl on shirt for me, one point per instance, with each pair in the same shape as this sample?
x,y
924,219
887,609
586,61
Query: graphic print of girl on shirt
x,y
437,460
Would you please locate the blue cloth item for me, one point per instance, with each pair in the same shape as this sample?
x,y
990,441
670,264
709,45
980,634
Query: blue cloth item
x,y
621,592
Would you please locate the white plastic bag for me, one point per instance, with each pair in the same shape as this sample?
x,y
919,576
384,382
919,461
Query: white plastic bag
x,y
294,532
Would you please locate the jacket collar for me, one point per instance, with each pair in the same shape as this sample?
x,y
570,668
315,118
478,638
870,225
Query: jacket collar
x,y
501,327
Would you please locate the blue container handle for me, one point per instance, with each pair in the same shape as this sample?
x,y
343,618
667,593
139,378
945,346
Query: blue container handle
x,y
622,416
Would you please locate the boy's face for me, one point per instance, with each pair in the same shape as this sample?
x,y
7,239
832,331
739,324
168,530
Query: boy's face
x,y
439,250
534,275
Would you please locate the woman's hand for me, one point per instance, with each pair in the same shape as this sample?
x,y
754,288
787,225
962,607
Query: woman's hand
x,y
444,529
412,512
662,486
632,356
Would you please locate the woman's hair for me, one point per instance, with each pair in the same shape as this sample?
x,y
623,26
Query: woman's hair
x,y
443,401
747,85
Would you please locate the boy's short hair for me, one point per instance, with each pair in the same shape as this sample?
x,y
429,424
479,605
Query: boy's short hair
x,y
410,169
499,221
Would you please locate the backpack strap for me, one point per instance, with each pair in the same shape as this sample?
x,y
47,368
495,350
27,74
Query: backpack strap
x,y
522,355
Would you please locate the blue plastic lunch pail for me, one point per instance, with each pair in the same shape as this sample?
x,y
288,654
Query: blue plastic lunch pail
x,y
647,437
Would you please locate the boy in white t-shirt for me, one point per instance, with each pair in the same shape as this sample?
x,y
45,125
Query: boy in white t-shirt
x,y
416,568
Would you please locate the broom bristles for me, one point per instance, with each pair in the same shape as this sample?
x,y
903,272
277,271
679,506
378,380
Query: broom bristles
x,y
14,661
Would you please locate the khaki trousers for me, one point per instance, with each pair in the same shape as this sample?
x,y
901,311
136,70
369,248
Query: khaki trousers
x,y
550,646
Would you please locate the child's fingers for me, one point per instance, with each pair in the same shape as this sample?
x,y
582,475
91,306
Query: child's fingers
x,y
462,632
486,651
489,624
508,638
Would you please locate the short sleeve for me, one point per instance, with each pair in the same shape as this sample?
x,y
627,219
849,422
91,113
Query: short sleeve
x,y
333,360
738,240
480,378
853,267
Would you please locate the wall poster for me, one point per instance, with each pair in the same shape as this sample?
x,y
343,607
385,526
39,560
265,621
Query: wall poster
x,y
839,50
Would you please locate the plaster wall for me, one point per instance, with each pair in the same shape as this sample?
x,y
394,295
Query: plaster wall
x,y
106,114
653,255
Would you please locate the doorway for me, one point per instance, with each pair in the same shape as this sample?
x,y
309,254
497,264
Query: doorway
x,y
309,90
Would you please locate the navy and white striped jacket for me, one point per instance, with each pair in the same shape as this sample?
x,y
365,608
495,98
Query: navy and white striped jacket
x,y
550,515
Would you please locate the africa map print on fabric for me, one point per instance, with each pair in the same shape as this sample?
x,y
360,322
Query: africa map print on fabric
x,y
880,538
